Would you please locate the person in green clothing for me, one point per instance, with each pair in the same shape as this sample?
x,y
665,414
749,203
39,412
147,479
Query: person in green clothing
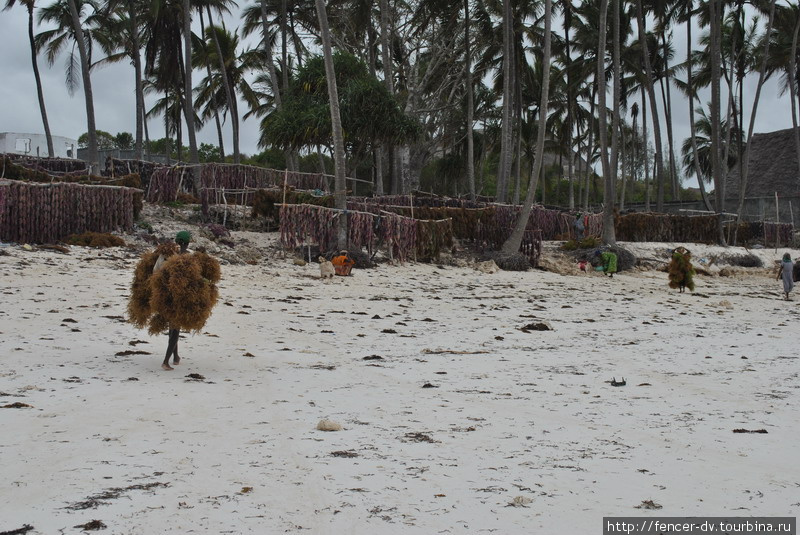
x,y
607,262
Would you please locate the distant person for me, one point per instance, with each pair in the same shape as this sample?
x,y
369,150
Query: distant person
x,y
785,272
607,262
680,270
580,228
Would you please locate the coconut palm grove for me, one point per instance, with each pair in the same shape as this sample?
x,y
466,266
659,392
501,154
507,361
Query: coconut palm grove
x,y
419,266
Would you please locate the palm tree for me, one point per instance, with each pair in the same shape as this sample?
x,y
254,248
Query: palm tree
x,y
188,109
87,85
230,96
470,105
696,154
340,195
506,136
762,71
29,5
120,36
653,108
512,244
608,173
217,91
715,17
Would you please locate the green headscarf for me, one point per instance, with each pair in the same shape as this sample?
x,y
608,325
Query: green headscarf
x,y
183,237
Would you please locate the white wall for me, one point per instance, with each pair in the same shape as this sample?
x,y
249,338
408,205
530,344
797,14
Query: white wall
x,y
36,145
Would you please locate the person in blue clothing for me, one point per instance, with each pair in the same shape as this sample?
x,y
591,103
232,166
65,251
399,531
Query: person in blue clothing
x,y
785,272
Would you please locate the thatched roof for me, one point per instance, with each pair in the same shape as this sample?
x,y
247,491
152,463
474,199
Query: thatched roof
x,y
773,167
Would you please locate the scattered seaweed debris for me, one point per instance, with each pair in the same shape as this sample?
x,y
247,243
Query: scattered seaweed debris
x,y
346,454
648,504
195,377
536,326
373,357
21,531
17,405
761,431
94,525
92,502
418,437
131,352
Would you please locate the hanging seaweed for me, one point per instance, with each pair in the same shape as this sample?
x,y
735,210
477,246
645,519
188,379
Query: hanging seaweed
x,y
42,213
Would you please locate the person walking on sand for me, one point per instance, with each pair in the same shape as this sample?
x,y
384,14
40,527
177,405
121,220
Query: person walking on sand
x,y
182,239
785,272
680,270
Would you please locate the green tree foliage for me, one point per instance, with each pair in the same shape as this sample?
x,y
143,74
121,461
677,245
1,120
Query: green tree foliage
x,y
370,114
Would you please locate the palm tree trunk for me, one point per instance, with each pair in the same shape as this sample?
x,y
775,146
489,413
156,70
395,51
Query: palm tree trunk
x,y
388,79
608,173
516,169
87,86
137,69
216,110
470,105
589,150
188,104
714,50
692,132
504,165
167,148
744,164
676,189
791,69
609,192
646,152
284,50
514,241
653,107
340,193
50,152
622,152
229,90
273,74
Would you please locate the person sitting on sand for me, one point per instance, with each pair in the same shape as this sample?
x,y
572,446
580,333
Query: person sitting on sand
x,y
785,272
182,239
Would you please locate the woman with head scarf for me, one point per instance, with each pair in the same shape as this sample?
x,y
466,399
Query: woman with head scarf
x,y
785,272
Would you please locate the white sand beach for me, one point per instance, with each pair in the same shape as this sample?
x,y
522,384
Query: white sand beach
x,y
449,410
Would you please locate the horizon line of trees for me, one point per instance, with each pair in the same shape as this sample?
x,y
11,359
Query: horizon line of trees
x,y
465,95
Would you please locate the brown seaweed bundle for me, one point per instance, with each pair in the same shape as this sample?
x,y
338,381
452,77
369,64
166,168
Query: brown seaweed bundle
x,y
139,309
95,239
184,291
681,272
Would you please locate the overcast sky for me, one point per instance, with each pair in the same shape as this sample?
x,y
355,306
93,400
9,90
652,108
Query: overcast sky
x,y
114,97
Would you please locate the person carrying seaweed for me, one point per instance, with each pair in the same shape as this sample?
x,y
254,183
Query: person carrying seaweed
x,y
785,272
182,239
680,270
173,290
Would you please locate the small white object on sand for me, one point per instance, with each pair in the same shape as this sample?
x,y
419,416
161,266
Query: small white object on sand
x,y
328,425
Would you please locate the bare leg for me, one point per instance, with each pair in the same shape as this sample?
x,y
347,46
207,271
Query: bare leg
x,y
172,348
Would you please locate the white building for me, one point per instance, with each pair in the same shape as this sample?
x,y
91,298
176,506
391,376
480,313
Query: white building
x,y
36,145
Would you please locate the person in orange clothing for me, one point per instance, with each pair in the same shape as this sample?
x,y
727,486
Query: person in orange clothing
x,y
343,263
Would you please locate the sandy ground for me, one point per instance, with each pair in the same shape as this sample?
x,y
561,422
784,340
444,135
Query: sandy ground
x,y
449,410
